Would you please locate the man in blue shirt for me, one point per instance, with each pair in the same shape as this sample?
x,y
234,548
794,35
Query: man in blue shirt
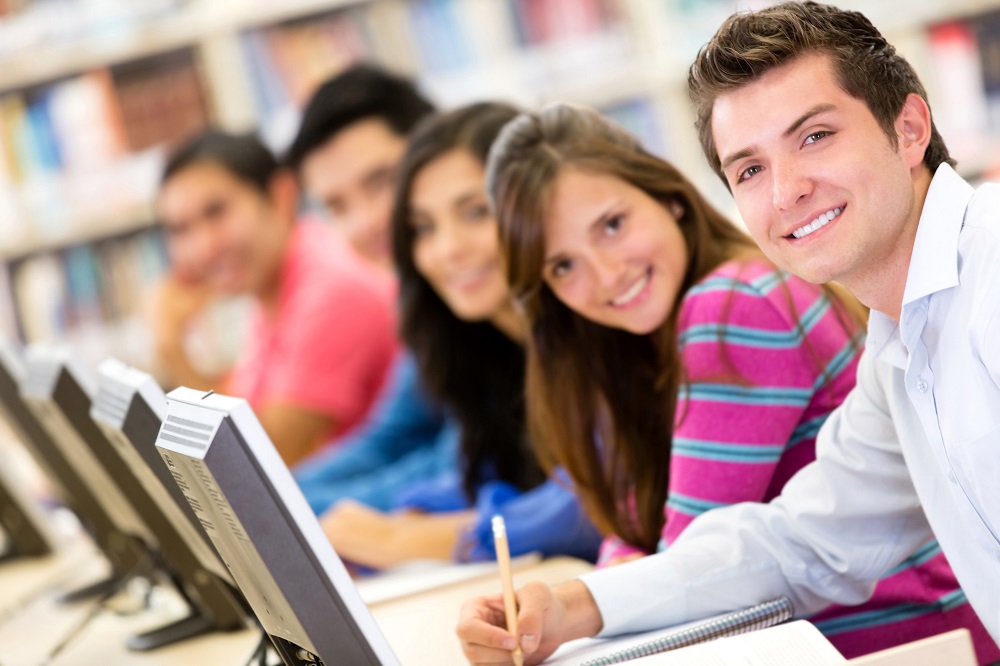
x,y
843,178
350,141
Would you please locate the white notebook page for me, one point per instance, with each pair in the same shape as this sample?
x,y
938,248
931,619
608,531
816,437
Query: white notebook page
x,y
790,644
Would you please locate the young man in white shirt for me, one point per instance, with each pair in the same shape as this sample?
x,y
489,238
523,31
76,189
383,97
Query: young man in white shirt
x,y
823,134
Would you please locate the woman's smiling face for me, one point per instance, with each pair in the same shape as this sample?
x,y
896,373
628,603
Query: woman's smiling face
x,y
456,245
613,254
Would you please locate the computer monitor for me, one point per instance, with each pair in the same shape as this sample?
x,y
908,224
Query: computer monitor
x,y
129,409
261,525
22,531
60,392
124,551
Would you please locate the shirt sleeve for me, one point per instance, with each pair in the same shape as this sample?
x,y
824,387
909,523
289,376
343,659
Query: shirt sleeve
x,y
443,492
379,489
547,519
403,420
839,524
334,347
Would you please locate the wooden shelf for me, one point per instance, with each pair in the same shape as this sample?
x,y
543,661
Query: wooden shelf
x,y
118,223
644,56
186,28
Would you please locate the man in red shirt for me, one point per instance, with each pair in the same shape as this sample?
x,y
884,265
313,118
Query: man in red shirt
x,y
322,331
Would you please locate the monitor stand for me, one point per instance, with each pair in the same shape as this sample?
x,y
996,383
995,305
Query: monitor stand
x,y
12,552
193,625
97,589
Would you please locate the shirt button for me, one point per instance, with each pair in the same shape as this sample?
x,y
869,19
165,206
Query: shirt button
x,y
922,385
951,476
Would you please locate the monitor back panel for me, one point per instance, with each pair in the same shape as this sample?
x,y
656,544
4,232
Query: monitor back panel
x,y
270,540
22,523
62,406
131,424
67,409
123,551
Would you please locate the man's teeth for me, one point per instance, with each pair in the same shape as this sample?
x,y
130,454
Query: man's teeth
x,y
633,292
820,221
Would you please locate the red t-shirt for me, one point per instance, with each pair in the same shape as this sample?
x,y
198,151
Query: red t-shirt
x,y
332,340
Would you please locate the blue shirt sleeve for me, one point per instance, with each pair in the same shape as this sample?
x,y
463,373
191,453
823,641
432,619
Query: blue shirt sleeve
x,y
444,491
547,519
397,445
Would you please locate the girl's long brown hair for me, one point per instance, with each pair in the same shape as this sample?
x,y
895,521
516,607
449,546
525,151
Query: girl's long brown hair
x,y
472,368
601,401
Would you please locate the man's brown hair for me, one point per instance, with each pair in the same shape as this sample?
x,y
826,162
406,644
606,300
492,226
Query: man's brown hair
x,y
749,44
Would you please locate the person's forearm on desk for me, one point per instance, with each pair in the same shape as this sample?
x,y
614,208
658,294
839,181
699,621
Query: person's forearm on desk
x,y
376,539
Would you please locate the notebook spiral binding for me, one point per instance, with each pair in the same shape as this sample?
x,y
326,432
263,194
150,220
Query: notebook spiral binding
x,y
761,616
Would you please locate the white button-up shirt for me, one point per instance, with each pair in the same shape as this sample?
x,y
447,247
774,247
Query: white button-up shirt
x,y
913,453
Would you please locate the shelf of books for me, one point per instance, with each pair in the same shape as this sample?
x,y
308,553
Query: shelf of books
x,y
93,93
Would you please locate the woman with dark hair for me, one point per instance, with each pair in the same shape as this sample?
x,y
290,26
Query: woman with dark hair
x,y
322,327
672,369
462,329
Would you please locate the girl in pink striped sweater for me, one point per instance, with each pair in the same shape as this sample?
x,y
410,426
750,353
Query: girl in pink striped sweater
x,y
672,368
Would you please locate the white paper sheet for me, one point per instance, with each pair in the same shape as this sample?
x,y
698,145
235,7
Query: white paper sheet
x,y
791,644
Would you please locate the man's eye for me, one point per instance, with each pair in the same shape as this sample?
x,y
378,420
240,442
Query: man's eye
x,y
749,172
817,136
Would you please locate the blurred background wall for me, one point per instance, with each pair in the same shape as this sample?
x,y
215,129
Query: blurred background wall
x,y
93,92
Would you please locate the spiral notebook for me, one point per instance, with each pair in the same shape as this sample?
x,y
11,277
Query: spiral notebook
x,y
608,652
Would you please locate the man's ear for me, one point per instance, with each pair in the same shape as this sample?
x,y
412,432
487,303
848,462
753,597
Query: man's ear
x,y
283,189
913,129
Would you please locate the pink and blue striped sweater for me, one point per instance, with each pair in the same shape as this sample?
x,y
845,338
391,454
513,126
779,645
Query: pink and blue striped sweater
x,y
741,440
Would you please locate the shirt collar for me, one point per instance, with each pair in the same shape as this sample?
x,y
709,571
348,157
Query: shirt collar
x,y
883,340
934,262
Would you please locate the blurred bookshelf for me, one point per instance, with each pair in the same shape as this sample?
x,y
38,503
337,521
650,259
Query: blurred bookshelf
x,y
94,92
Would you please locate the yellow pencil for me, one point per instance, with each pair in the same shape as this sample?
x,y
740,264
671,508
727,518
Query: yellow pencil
x,y
509,600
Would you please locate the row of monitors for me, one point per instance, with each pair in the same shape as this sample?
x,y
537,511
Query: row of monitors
x,y
190,482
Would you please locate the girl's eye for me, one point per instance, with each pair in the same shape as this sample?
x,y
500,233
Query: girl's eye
x,y
816,136
614,224
422,228
749,172
477,213
561,268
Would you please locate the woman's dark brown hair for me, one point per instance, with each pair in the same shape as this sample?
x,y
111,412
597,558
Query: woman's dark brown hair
x,y
602,401
476,371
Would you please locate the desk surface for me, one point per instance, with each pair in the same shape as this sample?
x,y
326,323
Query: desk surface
x,y
21,580
420,628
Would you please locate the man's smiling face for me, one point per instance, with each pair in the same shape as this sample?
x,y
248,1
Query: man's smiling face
x,y
820,186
